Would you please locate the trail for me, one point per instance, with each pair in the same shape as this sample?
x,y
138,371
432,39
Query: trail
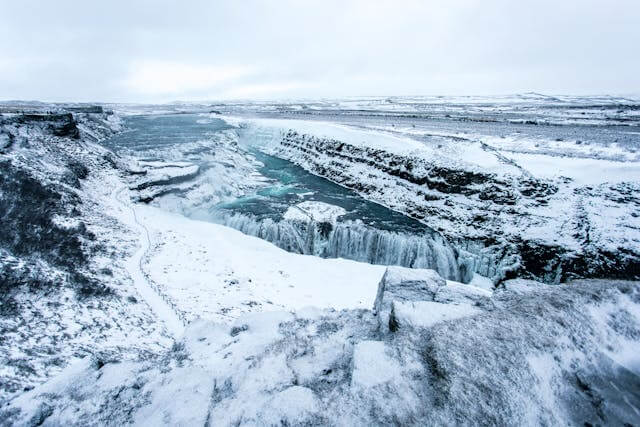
x,y
161,308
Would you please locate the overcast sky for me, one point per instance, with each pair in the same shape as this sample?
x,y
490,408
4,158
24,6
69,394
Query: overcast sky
x,y
159,51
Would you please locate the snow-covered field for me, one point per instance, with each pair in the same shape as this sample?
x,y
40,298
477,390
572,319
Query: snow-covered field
x,y
532,354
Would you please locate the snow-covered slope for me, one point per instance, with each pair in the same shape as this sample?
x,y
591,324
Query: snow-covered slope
x,y
214,272
442,354
65,292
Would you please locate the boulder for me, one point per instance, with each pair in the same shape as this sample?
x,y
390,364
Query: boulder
x,y
404,284
425,314
420,298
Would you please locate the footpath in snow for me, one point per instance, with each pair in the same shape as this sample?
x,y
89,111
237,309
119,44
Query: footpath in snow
x,y
158,304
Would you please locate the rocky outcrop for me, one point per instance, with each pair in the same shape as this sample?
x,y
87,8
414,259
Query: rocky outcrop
x,y
418,297
58,124
158,178
86,109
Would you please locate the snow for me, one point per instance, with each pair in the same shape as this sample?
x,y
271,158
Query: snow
x,y
340,132
424,314
551,160
159,306
583,171
481,282
314,211
539,354
216,272
625,351
470,155
371,366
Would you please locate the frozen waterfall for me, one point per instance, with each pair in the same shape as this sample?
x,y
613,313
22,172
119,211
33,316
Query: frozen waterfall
x,y
353,240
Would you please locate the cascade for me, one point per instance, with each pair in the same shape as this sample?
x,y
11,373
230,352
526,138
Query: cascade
x,y
353,240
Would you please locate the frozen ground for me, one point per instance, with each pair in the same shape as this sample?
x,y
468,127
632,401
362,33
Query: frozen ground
x,y
115,312
529,353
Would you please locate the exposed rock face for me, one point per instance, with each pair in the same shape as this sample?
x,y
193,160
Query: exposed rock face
x,y
63,125
87,109
505,225
527,354
29,209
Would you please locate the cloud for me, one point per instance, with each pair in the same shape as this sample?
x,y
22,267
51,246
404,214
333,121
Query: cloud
x,y
264,90
158,78
163,50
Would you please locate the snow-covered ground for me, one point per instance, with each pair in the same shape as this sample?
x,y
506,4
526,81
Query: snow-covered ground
x,y
529,354
214,272
159,319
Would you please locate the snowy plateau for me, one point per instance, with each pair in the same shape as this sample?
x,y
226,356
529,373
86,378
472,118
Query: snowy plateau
x,y
361,261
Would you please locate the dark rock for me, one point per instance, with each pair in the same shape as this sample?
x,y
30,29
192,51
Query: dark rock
x,y
89,109
63,125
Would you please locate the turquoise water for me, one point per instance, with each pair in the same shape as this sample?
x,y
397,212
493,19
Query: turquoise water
x,y
292,185
150,132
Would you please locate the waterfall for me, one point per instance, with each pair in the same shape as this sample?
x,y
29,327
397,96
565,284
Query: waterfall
x,y
354,240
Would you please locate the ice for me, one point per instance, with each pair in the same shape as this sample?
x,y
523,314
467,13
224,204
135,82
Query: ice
x,y
314,211
352,240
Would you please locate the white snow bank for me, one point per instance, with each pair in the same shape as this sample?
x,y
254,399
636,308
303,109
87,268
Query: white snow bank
x,y
215,272
314,211
424,314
